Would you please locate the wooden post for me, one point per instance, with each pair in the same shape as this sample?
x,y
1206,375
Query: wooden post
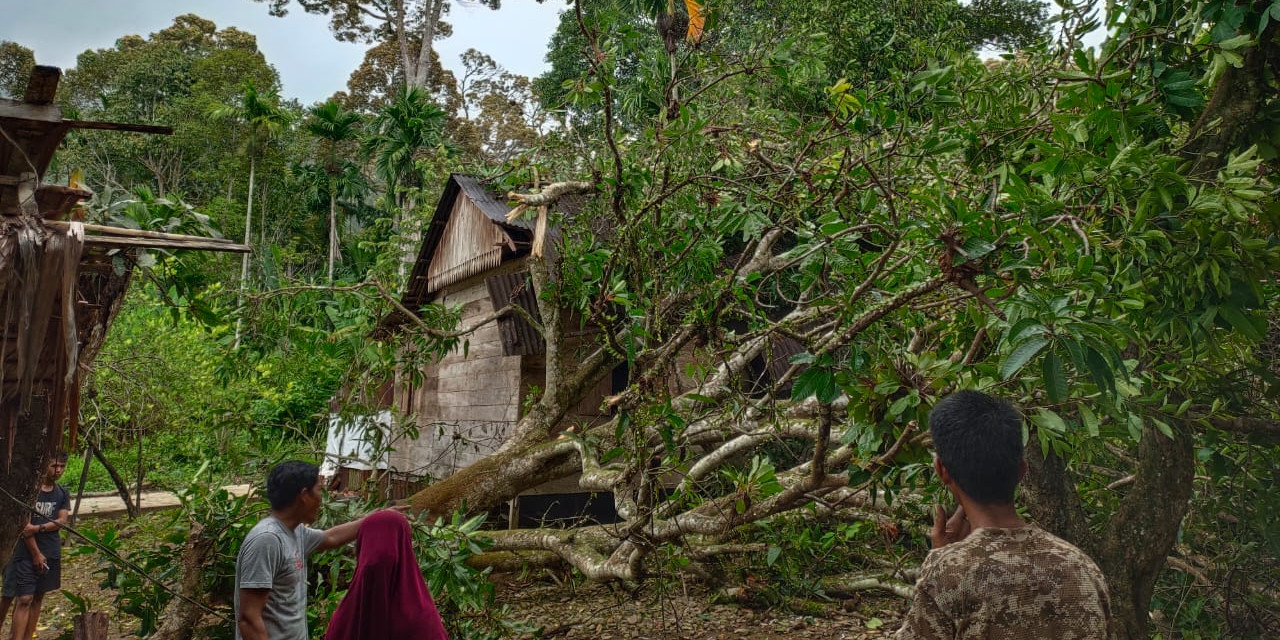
x,y
84,479
513,513
91,625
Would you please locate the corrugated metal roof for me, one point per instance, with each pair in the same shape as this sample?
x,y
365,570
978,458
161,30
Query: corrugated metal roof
x,y
519,338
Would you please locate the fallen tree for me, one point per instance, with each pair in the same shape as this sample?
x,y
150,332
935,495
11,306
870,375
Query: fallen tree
x,y
1025,227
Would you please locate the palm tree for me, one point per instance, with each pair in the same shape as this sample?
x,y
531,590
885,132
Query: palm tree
x,y
334,126
262,113
403,132
345,189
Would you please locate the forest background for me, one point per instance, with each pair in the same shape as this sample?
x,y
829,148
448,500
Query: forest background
x,y
1089,231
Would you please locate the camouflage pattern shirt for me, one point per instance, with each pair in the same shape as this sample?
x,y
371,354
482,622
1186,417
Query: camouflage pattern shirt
x,y
1008,584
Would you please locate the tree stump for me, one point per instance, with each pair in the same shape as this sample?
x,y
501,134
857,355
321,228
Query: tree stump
x,y
89,626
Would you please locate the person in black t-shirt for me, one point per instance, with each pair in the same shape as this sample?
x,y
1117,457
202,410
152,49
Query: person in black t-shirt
x,y
35,568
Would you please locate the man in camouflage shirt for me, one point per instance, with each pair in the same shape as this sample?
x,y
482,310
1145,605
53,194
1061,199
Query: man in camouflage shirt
x,y
990,575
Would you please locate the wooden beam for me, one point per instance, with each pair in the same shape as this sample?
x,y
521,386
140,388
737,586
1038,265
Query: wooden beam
x,y
43,85
136,233
118,126
198,244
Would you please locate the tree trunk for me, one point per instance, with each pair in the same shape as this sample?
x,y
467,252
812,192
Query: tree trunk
x,y
333,231
20,478
1142,532
422,70
84,479
244,261
410,238
181,615
491,481
1131,551
118,481
1228,121
90,625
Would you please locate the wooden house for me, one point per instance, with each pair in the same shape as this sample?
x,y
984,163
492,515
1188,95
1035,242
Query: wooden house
x,y
464,405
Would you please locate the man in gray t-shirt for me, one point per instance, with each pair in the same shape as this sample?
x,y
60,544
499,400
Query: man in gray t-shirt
x,y
271,570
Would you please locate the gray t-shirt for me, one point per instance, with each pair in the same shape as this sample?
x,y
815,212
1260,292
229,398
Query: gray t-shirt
x,y
273,557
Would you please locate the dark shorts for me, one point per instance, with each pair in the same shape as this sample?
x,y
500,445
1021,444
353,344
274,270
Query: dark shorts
x,y
21,578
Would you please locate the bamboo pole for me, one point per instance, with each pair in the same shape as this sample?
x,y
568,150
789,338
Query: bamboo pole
x,y
134,233
197,244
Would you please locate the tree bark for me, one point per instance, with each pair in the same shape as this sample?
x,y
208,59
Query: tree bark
x,y
244,262
1229,119
90,625
1131,551
1142,532
21,477
181,615
333,230
121,487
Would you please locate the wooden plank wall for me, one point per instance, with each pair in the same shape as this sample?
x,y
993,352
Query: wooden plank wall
x,y
466,404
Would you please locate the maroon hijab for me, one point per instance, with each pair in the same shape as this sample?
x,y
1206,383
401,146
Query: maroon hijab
x,y
388,597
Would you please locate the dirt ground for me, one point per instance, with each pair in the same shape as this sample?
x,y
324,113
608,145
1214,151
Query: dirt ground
x,y
585,611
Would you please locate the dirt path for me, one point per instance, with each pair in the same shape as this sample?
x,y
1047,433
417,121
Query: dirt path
x,y
112,505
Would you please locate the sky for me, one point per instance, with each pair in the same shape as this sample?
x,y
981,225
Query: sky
x,y
312,64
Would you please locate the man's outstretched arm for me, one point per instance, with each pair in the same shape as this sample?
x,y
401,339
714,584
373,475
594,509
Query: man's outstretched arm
x,y
339,535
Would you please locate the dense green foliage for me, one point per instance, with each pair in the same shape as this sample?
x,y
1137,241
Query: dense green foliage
x,y
1091,232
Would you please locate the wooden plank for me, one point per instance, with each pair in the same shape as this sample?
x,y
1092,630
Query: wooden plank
x,y
42,86
152,243
119,126
133,233
478,397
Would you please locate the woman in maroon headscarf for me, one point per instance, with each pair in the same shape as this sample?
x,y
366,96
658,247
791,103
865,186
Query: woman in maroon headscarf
x,y
388,597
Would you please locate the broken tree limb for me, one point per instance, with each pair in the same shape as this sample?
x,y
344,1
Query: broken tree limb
x,y
551,193
849,584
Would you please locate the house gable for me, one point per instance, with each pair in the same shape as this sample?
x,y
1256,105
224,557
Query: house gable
x,y
470,243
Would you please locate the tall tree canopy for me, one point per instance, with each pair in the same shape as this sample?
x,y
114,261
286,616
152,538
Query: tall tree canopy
x,y
16,62
412,26
1087,231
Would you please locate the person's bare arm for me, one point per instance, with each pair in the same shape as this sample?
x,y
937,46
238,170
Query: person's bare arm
x,y
339,535
37,558
249,620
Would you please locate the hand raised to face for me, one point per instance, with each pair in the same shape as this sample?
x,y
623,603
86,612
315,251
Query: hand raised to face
x,y
947,530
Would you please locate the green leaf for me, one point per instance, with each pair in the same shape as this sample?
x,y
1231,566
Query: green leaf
x,y
1055,379
1024,327
1050,420
818,382
1236,43
901,404
1240,321
772,556
1021,355
1089,419
1100,371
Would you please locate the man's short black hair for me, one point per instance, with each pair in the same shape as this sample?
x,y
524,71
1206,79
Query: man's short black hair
x,y
978,439
60,456
288,480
